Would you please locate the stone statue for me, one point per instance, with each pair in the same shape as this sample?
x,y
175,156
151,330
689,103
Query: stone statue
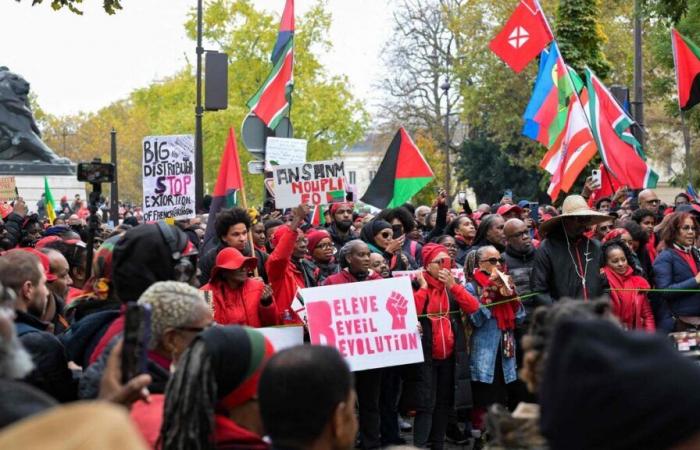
x,y
20,139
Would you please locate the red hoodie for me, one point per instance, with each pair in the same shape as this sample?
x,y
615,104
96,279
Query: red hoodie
x,y
628,304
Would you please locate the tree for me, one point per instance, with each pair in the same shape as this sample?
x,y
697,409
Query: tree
x,y
110,6
420,57
485,165
324,111
580,36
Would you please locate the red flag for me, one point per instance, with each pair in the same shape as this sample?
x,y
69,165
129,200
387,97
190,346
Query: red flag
x,y
686,58
523,37
228,184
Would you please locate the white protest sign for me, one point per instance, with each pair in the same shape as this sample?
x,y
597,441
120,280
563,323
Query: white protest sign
x,y
283,337
168,177
373,324
312,183
282,151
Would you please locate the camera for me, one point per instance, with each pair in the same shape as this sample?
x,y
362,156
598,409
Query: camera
x,y
96,172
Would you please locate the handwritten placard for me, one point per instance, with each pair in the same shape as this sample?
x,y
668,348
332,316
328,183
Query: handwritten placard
x,y
7,189
313,183
168,177
282,151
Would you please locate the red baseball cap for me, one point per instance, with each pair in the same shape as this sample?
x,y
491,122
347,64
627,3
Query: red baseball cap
x,y
505,209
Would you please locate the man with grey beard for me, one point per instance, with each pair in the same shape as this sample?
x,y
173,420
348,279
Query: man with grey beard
x,y
19,400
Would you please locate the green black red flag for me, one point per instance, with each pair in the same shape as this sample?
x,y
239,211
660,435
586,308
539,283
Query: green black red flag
x,y
686,57
401,175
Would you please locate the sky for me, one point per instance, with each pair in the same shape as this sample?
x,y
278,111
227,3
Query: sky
x,y
83,63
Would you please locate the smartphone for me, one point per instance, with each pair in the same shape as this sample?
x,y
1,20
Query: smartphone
x,y
137,333
508,193
597,177
462,197
535,212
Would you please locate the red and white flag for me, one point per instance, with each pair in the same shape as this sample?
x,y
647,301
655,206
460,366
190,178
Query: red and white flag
x,y
523,37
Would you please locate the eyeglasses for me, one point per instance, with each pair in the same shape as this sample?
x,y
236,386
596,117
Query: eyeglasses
x,y
689,228
653,202
324,245
439,262
519,234
494,261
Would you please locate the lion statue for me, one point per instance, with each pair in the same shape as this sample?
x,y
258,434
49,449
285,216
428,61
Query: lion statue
x,y
20,139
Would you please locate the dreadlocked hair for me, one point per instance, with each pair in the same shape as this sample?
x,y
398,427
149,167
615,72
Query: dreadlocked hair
x,y
544,321
470,263
190,399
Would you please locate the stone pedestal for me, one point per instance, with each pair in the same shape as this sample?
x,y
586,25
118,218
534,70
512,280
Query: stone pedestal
x,y
29,178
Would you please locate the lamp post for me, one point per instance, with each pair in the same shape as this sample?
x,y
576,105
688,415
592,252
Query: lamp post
x,y
198,113
445,86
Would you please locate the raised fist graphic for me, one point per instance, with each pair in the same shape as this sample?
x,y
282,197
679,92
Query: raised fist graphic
x,y
397,305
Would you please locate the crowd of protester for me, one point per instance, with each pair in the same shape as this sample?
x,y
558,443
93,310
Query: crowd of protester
x,y
566,308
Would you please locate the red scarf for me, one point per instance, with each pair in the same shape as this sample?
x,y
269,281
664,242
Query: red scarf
x,y
626,302
687,256
504,313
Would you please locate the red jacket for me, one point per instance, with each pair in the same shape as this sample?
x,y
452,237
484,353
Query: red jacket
x,y
241,306
345,276
283,275
630,305
438,306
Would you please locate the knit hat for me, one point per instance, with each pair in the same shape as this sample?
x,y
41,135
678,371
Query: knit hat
x,y
237,356
430,251
372,228
606,388
230,258
141,257
614,234
316,236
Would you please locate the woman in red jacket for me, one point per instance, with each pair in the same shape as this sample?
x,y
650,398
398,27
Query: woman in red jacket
x,y
444,345
235,298
629,304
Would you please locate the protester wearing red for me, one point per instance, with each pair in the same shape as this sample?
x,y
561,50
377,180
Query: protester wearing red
x,y
287,269
235,298
628,303
441,383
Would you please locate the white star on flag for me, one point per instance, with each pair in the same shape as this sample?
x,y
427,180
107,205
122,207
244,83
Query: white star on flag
x,y
518,37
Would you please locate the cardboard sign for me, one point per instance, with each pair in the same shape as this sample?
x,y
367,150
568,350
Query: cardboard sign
x,y
168,177
283,337
7,189
313,183
373,324
283,151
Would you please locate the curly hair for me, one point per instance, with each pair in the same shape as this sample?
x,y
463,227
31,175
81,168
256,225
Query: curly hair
x,y
230,217
402,214
673,226
635,230
545,319
173,304
641,214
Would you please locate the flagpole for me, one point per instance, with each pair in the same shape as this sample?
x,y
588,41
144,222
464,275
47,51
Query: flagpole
x,y
686,143
250,232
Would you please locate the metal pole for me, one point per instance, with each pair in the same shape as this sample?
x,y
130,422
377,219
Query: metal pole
x,y
114,191
686,143
638,75
448,171
198,113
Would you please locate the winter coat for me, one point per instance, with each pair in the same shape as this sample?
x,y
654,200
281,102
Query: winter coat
x,y
462,250
486,342
51,373
418,377
242,306
519,267
338,240
82,337
671,271
631,307
554,275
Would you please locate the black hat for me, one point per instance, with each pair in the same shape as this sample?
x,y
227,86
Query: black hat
x,y
606,388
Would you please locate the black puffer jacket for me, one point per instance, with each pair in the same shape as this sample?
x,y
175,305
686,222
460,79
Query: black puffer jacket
x,y
520,266
51,373
418,377
554,274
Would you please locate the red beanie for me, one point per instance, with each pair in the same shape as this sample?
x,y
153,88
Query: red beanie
x,y
316,236
614,234
430,251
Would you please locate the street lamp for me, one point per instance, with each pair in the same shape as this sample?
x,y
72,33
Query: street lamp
x,y
445,87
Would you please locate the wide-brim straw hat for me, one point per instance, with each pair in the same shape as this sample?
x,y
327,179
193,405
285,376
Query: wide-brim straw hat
x,y
575,206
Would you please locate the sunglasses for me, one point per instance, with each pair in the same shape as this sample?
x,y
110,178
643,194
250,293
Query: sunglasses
x,y
494,261
386,234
